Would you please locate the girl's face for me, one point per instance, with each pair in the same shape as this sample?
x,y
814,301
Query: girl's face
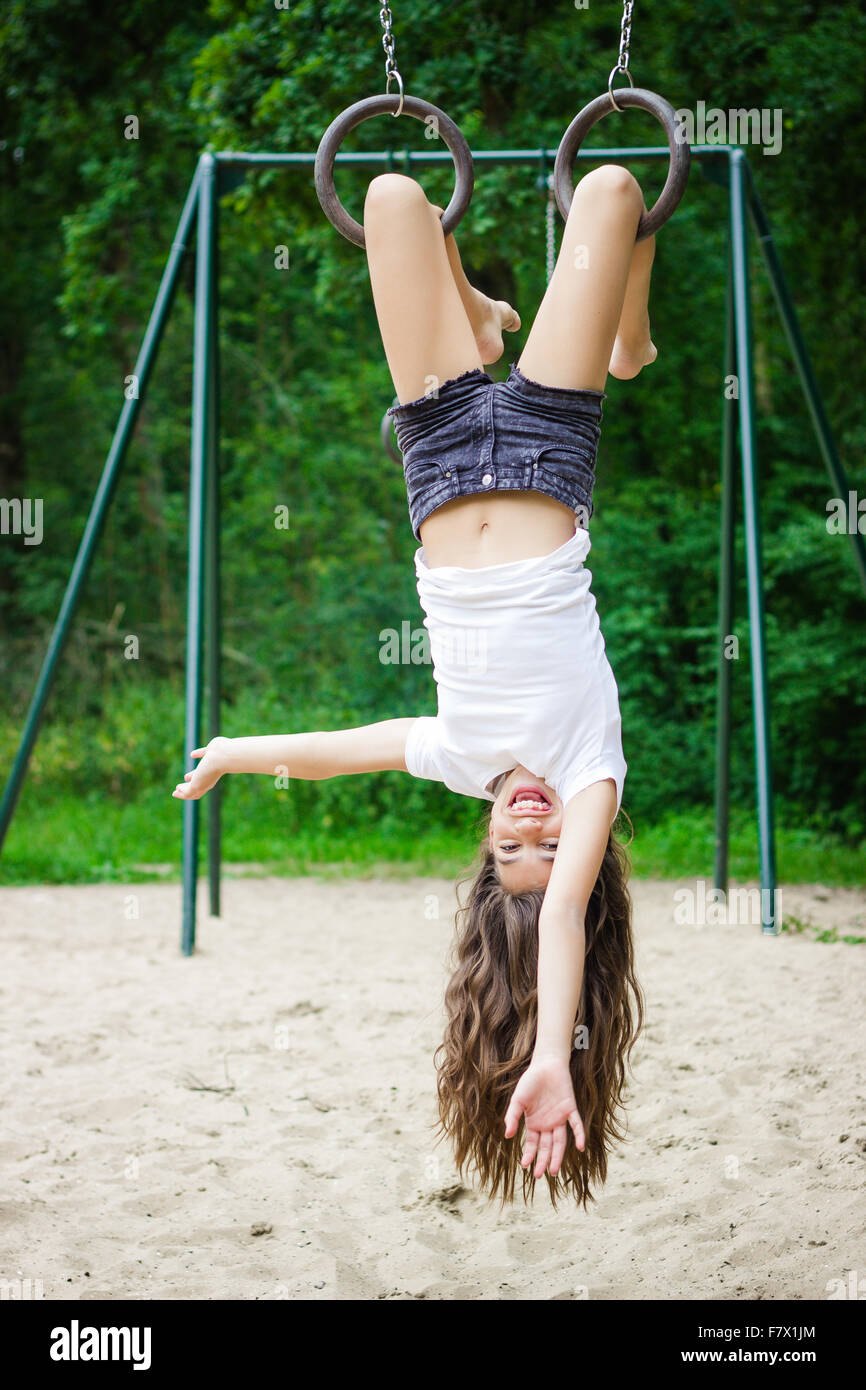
x,y
524,831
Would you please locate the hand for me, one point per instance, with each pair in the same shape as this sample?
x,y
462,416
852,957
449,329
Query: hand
x,y
545,1096
206,774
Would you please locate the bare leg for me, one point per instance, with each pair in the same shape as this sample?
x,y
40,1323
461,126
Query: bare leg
x,y
489,317
428,312
594,318
633,348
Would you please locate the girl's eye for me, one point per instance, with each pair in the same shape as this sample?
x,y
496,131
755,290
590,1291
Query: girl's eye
x,y
551,845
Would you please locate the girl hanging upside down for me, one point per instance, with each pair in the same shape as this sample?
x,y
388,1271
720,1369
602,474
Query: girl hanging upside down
x,y
543,1006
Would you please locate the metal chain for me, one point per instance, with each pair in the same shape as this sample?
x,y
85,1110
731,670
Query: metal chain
x,y
388,44
624,41
625,36
550,216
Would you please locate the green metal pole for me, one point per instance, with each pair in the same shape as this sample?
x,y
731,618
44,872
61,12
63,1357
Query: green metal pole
x,y
726,596
752,524
788,315
201,381
273,160
212,565
101,503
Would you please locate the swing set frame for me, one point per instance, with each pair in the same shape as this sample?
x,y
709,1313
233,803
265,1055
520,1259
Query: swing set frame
x,y
218,173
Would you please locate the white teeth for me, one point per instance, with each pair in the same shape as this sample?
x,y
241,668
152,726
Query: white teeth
x,y
525,804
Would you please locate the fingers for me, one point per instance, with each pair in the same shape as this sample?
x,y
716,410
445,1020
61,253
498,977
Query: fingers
x,y
558,1153
183,791
548,1147
530,1147
577,1129
512,1118
544,1151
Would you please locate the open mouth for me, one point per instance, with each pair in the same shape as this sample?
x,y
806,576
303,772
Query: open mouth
x,y
529,800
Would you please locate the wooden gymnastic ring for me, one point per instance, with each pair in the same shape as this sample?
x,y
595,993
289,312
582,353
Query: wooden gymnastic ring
x,y
678,172
376,106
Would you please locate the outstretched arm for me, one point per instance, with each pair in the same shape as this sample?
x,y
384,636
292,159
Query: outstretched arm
x,y
544,1094
586,822
310,756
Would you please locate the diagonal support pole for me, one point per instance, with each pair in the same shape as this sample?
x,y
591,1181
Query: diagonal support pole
x,y
101,503
788,315
752,526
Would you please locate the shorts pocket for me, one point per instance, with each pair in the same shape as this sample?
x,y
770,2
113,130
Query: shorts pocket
x,y
423,471
565,472
567,463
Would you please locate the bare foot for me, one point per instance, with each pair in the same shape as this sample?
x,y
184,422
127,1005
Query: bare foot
x,y
489,319
627,360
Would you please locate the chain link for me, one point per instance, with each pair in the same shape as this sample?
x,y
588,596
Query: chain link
x,y
625,36
550,216
622,60
391,72
387,19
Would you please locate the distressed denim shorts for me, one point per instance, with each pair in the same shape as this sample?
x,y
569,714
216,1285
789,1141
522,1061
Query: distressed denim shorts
x,y
479,435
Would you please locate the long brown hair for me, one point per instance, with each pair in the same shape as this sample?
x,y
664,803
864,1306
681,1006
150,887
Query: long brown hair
x,y
491,1009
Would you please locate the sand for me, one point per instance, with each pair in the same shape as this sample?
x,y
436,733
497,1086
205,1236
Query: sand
x,y
159,1110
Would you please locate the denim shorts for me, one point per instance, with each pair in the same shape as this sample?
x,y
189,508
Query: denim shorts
x,y
479,435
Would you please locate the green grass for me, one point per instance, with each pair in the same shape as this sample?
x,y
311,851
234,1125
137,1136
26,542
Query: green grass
x,y
795,926
93,838
680,845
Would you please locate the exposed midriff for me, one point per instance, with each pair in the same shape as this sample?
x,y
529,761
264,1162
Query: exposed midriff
x,y
495,528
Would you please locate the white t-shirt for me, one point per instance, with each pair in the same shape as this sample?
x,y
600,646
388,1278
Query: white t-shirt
x,y
521,674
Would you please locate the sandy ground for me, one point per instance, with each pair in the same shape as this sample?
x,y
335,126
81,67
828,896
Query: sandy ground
x,y
312,1010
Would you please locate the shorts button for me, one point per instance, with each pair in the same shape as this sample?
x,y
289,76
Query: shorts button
x,y
448,473
487,479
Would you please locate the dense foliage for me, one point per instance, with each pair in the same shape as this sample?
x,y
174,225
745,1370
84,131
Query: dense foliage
x,y
89,215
